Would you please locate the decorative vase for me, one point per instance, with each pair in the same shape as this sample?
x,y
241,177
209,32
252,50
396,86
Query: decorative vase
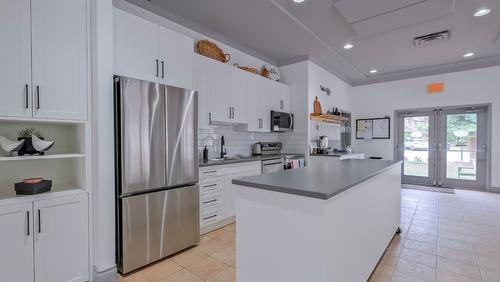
x,y
28,148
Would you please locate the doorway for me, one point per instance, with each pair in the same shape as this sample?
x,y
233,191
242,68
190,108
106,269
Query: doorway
x,y
444,147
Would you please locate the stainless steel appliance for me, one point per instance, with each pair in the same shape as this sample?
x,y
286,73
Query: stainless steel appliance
x,y
156,171
281,122
323,142
272,165
267,148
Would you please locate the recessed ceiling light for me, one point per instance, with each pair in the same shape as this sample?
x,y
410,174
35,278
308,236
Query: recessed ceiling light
x,y
299,1
467,55
482,12
373,71
348,46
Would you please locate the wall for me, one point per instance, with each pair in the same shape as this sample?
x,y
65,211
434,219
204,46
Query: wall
x,y
338,98
238,142
461,88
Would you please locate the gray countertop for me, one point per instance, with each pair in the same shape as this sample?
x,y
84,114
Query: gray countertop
x,y
245,159
321,181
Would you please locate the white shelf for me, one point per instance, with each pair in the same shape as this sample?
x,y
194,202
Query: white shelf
x,y
44,157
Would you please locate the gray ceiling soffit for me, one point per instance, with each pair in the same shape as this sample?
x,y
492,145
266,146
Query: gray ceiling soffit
x,y
484,62
162,11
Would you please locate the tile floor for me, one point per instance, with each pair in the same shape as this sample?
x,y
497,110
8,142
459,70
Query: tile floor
x,y
213,260
445,238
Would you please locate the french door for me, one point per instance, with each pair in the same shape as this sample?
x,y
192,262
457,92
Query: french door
x,y
444,147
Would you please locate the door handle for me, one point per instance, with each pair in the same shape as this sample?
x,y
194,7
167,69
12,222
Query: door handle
x,y
38,97
39,222
26,95
205,218
28,223
209,118
282,105
211,201
157,68
162,69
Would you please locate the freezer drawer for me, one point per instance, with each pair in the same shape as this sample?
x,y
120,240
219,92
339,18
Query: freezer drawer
x,y
158,224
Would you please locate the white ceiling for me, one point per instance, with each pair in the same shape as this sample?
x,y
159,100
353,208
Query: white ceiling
x,y
382,32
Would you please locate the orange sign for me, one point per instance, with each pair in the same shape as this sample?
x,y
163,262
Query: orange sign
x,y
435,88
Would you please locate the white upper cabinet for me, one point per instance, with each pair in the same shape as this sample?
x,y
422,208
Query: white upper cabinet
x,y
43,70
59,48
136,47
16,244
202,86
220,92
239,95
256,113
147,51
176,59
15,58
61,239
282,92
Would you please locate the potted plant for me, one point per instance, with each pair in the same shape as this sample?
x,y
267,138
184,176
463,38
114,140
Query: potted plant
x,y
25,134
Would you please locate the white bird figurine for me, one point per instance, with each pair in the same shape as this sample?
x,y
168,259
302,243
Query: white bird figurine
x,y
41,145
10,145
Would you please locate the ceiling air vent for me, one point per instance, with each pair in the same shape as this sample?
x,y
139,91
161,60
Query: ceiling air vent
x,y
431,39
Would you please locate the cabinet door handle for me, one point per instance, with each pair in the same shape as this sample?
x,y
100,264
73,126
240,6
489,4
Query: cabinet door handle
x,y
230,111
26,96
38,97
282,105
28,223
162,69
211,201
210,171
211,185
233,112
39,222
209,118
157,68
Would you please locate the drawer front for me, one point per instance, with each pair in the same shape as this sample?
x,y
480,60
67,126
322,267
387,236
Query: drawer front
x,y
212,186
210,200
211,216
209,172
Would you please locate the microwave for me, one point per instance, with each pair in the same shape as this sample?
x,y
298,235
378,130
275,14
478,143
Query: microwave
x,y
281,122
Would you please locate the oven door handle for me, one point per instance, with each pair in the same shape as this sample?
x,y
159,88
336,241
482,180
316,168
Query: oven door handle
x,y
290,120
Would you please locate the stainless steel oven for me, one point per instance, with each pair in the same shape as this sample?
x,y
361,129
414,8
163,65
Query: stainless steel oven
x,y
272,165
281,122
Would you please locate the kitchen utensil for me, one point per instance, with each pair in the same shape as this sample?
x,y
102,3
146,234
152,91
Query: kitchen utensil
x,y
316,107
323,142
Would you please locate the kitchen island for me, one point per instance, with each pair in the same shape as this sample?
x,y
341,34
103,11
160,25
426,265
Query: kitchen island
x,y
328,222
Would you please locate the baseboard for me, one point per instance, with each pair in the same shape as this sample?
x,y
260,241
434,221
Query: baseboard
x,y
494,190
109,275
217,225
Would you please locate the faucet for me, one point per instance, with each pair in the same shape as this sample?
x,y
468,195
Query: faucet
x,y
222,147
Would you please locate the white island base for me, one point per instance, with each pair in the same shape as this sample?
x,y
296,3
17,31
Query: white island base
x,y
282,237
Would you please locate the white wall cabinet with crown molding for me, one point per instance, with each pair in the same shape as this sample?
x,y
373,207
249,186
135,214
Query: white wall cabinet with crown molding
x,y
147,51
44,70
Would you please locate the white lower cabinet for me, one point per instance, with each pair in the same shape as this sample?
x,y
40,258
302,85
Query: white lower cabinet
x,y
45,240
218,194
16,242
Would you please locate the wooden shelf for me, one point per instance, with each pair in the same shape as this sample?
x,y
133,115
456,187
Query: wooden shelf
x,y
329,118
44,157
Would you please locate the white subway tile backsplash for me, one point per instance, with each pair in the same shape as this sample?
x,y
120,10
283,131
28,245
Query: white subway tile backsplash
x,y
239,142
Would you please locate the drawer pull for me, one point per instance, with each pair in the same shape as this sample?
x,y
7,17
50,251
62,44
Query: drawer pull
x,y
210,171
205,218
211,201
211,185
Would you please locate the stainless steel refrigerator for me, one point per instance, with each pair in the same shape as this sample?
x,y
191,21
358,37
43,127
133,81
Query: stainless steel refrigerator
x,y
156,171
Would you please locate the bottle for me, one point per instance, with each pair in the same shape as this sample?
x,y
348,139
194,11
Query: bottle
x,y
205,154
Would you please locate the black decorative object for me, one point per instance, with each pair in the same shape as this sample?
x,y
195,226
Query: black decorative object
x,y
33,189
27,148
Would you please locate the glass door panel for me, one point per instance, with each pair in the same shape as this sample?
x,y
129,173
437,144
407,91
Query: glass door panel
x,y
462,148
416,148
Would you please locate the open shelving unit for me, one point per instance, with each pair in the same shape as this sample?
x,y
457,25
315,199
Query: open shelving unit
x,y
67,163
329,118
44,157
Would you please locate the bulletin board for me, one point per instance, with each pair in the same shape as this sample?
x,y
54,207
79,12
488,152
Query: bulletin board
x,y
373,128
